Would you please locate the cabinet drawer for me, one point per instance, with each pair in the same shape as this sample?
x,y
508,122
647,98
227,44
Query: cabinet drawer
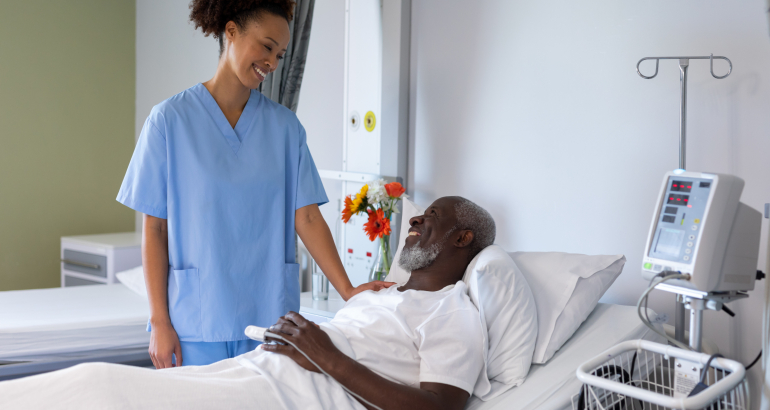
x,y
73,281
85,263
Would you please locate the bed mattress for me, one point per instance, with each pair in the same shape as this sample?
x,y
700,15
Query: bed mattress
x,y
551,386
41,324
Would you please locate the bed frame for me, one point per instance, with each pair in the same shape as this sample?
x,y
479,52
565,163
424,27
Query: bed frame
x,y
131,357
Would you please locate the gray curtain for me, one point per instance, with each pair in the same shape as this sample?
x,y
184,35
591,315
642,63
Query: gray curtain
x,y
282,85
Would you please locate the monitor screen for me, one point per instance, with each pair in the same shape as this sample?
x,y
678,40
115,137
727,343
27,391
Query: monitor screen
x,y
680,218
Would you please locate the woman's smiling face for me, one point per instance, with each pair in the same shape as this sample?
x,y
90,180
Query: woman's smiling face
x,y
255,51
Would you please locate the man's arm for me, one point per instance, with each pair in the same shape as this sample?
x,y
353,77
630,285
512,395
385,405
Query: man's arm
x,y
379,391
389,395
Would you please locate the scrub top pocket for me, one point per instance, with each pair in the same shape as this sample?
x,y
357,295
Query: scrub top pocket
x,y
184,303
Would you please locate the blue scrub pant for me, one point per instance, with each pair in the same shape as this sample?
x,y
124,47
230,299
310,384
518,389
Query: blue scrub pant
x,y
203,353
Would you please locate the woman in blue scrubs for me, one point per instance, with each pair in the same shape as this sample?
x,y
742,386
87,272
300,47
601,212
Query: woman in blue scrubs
x,y
224,177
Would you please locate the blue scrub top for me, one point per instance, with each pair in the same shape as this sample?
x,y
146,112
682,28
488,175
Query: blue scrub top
x,y
229,196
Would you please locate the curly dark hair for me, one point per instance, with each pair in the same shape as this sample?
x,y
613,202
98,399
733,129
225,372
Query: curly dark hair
x,y
212,15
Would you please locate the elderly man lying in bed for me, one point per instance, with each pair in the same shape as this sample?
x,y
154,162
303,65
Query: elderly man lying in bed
x,y
419,345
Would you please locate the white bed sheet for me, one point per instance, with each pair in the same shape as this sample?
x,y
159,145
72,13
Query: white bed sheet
x,y
551,386
38,324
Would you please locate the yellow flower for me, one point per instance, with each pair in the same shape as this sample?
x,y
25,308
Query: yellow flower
x,y
358,203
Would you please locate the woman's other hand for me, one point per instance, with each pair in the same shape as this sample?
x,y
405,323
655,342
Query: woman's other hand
x,y
163,343
376,285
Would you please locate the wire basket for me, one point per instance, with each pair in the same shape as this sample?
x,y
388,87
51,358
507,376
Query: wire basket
x,y
642,375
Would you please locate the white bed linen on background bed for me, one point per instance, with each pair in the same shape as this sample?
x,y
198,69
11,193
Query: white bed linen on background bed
x,y
551,386
38,324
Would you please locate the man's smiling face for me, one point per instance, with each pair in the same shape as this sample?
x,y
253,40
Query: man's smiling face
x,y
428,234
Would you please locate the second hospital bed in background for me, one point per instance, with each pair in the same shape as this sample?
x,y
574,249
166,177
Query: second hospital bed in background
x,y
42,330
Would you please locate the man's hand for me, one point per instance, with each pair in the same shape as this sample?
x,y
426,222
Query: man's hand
x,y
376,286
307,336
314,342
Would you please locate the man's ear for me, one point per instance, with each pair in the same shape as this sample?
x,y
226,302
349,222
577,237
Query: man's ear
x,y
465,239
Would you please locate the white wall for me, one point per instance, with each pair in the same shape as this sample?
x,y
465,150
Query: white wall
x,y
534,110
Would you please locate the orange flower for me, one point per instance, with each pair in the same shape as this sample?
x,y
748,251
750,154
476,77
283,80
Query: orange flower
x,y
346,212
394,189
378,225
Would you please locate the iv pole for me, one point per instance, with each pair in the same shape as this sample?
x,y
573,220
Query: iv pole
x,y
684,63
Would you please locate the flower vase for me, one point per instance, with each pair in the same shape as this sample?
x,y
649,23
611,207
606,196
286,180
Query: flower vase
x,y
382,261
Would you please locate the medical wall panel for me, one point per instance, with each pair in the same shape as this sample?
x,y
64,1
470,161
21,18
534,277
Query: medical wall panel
x,y
364,79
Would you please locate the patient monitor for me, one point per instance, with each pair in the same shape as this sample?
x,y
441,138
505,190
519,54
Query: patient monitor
x,y
701,228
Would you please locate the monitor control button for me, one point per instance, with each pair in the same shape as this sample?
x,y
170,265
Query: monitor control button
x,y
687,258
695,227
657,268
688,251
692,237
689,244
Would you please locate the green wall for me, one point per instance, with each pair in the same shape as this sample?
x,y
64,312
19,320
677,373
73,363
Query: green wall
x,y
67,91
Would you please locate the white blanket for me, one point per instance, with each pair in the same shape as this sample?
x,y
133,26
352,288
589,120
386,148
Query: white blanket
x,y
271,382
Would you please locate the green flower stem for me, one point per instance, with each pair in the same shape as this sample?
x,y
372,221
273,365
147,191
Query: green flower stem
x,y
385,245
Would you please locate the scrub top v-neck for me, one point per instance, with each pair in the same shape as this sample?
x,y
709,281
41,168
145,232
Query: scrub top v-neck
x,y
229,196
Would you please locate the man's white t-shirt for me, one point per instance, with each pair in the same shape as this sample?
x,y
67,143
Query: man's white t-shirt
x,y
413,336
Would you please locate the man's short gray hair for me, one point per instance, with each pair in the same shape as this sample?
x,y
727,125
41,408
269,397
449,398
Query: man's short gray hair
x,y
476,219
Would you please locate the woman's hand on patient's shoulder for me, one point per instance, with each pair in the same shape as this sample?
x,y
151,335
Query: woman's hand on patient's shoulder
x,y
376,286
164,343
308,337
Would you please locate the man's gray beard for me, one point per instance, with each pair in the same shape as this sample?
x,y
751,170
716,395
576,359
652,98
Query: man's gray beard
x,y
415,258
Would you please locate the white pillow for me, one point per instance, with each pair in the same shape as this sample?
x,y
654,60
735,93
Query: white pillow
x,y
134,280
410,210
508,317
566,287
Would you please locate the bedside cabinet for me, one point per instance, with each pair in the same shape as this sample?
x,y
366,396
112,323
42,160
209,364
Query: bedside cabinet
x,y
319,311
94,259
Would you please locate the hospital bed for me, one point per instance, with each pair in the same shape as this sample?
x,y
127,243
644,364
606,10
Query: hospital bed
x,y
49,329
